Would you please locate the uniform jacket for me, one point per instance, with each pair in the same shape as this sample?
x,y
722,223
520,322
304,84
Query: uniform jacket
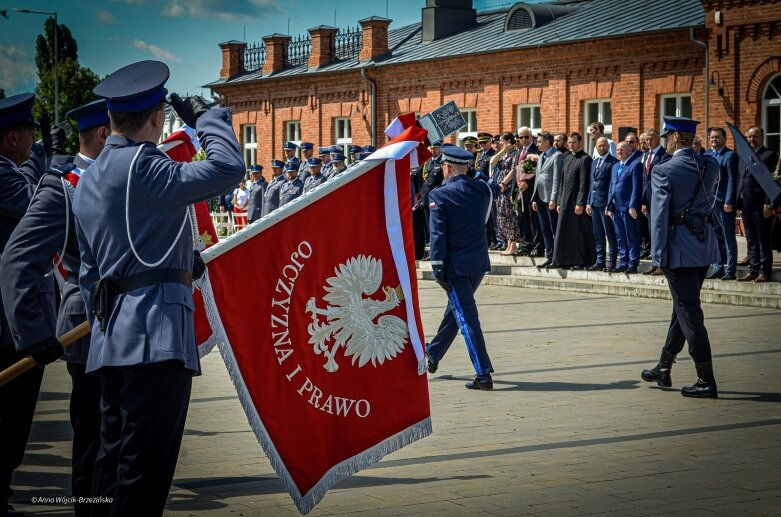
x,y
150,324
600,180
432,172
727,186
548,179
271,196
256,194
29,295
314,181
625,190
483,163
458,211
290,190
753,198
17,185
673,185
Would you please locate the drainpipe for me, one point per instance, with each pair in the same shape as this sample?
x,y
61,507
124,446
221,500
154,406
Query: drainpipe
x,y
373,89
704,45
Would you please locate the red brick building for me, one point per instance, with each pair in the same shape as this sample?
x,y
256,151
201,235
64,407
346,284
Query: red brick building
x,y
555,66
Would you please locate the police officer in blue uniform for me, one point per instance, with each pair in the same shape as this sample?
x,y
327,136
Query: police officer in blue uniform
x,y
292,187
337,165
316,177
354,151
368,149
290,153
459,210
307,151
48,229
137,267
256,193
21,166
271,197
683,245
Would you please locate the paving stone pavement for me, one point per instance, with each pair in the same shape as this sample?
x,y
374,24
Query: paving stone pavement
x,y
570,429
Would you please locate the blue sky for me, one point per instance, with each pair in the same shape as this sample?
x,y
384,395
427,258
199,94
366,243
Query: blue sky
x,y
182,33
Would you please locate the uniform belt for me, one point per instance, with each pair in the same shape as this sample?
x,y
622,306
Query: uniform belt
x,y
679,220
105,290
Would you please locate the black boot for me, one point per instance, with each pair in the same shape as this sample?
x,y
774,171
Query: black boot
x,y
481,382
661,372
705,387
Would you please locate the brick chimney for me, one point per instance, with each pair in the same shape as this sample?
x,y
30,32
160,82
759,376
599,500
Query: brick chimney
x,y
276,52
375,37
232,58
323,45
445,17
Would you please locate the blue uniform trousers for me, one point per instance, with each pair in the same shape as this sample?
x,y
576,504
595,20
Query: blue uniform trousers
x,y
758,239
463,293
628,239
548,221
603,227
17,405
85,421
724,228
687,323
144,409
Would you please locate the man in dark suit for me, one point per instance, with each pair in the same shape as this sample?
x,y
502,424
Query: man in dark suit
x,y
459,259
655,155
756,210
623,204
724,205
601,170
528,223
684,246
256,192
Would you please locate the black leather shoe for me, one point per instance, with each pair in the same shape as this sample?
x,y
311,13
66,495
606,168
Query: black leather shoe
x,y
431,365
645,255
481,382
576,268
705,387
728,277
661,372
596,267
619,270
715,275
650,271
545,265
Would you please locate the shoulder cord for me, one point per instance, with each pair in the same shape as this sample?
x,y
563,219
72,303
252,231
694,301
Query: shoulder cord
x,y
490,200
127,219
67,192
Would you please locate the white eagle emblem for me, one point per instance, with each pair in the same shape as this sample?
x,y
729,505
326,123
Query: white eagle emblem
x,y
351,313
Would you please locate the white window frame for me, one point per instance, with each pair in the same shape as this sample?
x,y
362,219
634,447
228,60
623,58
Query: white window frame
x,y
771,104
470,115
678,106
343,134
600,118
249,141
534,125
293,134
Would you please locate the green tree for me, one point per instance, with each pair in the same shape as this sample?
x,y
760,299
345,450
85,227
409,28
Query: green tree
x,y
75,81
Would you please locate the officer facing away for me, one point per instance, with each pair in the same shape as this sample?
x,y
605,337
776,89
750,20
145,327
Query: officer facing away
x,y
136,274
459,210
683,246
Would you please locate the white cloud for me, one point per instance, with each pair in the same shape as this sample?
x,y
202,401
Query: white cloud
x,y
17,69
153,49
232,11
104,17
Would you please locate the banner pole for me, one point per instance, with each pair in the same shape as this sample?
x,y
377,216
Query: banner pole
x,y
23,365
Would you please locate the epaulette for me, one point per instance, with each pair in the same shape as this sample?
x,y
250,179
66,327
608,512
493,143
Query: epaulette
x,y
62,169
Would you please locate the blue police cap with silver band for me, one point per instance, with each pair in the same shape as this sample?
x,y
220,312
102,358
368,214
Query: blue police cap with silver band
x,y
355,149
683,124
337,157
323,150
368,149
314,161
90,115
454,154
291,168
16,110
256,168
306,146
335,149
289,146
134,88
277,164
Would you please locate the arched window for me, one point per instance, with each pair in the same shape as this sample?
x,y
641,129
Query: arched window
x,y
771,114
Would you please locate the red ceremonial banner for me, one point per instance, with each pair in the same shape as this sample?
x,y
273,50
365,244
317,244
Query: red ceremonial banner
x,y
331,371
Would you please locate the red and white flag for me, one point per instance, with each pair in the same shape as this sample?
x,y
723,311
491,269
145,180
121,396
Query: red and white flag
x,y
330,367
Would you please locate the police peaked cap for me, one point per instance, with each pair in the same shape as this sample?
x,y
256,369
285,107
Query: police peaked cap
x,y
454,154
256,168
90,115
306,146
277,164
682,124
17,109
289,146
133,88
314,161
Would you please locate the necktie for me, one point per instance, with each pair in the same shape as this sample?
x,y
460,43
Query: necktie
x,y
599,162
715,153
519,167
620,168
648,163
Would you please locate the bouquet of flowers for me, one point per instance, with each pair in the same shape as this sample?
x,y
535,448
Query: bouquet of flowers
x,y
529,164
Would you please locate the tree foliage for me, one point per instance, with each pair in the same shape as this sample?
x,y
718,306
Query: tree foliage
x,y
75,81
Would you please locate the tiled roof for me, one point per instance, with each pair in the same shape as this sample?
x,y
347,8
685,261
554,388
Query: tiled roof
x,y
586,20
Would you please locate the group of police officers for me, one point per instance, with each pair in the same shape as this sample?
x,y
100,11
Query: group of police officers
x,y
130,272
